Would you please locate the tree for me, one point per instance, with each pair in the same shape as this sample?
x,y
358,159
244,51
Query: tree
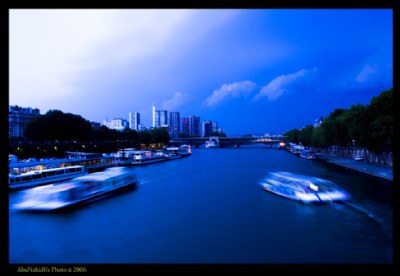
x,y
305,135
293,135
334,128
56,125
356,121
368,126
145,137
380,116
130,134
318,137
160,135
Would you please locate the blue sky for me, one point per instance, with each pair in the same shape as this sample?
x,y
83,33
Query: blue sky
x,y
251,70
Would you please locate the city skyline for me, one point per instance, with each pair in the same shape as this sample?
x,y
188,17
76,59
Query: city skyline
x,y
251,70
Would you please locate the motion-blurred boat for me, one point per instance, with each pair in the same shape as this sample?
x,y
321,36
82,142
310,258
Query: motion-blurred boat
x,y
303,188
78,190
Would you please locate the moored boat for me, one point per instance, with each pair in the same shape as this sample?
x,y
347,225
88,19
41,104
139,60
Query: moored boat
x,y
185,150
91,161
307,154
212,144
43,177
178,152
303,188
143,157
78,190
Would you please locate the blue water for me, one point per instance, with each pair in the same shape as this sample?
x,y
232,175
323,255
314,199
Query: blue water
x,y
209,208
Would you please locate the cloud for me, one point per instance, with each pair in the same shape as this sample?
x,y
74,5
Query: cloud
x,y
231,90
281,84
177,100
377,67
366,72
52,50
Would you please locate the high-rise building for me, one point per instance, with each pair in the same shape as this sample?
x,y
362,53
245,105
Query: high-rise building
x,y
194,125
215,127
161,118
134,120
185,126
174,124
163,115
207,128
18,117
154,115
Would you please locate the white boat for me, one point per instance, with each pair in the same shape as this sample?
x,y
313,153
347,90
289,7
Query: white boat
x,y
78,190
147,157
91,161
43,177
143,157
185,150
212,144
306,189
172,153
178,152
307,154
296,148
358,157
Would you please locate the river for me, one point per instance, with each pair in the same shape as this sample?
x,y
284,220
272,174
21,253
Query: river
x,y
209,208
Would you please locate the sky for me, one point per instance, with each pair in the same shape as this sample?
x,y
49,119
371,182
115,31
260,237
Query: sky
x,y
253,71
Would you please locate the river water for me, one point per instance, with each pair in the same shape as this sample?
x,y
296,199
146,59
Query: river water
x,y
209,208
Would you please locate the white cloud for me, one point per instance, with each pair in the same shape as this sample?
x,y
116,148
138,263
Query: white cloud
x,y
377,67
366,72
278,86
177,100
231,90
51,48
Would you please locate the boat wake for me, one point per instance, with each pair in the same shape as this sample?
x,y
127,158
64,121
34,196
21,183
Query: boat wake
x,y
386,227
361,209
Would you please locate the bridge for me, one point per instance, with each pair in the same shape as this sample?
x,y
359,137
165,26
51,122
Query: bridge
x,y
228,141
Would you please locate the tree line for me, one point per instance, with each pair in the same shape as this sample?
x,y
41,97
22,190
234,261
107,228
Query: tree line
x,y
363,126
56,125
55,132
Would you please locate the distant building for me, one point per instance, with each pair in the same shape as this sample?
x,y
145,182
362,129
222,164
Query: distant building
x,y
185,126
174,124
18,117
161,118
194,125
134,120
207,128
141,127
118,124
153,115
215,127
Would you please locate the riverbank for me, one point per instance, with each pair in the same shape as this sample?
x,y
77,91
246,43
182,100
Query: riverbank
x,y
384,172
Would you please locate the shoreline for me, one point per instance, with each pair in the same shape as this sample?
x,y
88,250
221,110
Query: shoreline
x,y
359,166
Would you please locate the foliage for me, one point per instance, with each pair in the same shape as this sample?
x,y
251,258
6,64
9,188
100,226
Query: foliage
x,y
369,126
56,125
293,135
56,132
